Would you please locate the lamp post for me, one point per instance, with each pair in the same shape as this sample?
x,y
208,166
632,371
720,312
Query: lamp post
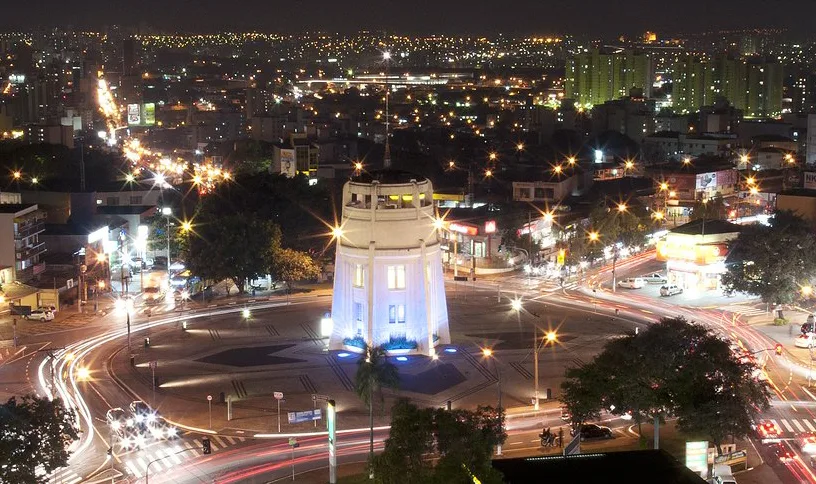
x,y
488,353
167,212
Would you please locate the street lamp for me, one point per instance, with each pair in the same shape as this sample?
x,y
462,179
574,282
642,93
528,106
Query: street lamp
x,y
622,207
488,173
558,169
488,353
571,160
167,212
492,156
593,236
807,291
83,373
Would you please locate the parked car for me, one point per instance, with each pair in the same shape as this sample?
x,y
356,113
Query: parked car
x,y
593,431
805,340
632,283
40,314
655,278
808,327
566,416
670,290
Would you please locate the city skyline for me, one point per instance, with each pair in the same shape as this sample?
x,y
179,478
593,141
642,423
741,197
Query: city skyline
x,y
593,18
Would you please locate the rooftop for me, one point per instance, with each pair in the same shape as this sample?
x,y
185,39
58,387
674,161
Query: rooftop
x,y
707,227
387,176
632,467
14,207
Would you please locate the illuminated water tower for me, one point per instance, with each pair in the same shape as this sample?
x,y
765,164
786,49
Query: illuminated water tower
x,y
388,283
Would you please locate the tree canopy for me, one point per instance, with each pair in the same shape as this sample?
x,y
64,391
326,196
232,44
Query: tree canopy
x,y
463,440
292,266
34,432
674,368
773,262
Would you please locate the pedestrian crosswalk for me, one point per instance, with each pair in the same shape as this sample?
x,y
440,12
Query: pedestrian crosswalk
x,y
63,475
794,426
743,309
165,456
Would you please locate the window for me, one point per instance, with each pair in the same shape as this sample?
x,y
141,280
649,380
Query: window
x,y
113,201
136,200
359,274
396,313
396,277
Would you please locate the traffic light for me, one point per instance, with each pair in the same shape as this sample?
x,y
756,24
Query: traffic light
x,y
205,443
778,349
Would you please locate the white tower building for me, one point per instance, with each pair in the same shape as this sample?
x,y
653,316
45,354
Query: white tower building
x,y
388,281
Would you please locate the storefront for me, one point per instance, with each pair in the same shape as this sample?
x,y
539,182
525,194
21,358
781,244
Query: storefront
x,y
471,245
695,253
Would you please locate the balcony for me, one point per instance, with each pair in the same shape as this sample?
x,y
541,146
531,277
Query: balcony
x,y
26,253
29,229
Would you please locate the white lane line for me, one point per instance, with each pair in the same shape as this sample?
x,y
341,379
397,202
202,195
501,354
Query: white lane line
x,y
230,439
241,439
133,469
142,464
787,425
74,480
220,442
798,427
173,455
809,426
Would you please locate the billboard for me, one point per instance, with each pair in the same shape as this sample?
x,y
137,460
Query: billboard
x,y
810,180
718,179
141,114
288,165
134,115
707,181
697,456
149,114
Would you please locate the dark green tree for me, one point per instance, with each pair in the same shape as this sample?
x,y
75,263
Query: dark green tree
x,y
292,266
239,247
674,368
34,432
773,262
710,209
463,440
374,372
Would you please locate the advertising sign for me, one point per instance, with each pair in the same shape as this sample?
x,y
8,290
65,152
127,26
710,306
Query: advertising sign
x,y
707,181
697,456
149,114
307,416
490,226
681,183
288,166
463,229
810,180
332,428
134,115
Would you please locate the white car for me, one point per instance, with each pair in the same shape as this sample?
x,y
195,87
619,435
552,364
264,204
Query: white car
x,y
805,340
632,283
670,290
655,278
41,314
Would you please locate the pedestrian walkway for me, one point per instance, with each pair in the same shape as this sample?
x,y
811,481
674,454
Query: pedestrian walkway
x,y
166,455
793,427
63,475
745,309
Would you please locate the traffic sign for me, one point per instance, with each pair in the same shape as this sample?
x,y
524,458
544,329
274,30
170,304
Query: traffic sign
x,y
209,398
278,395
293,442
306,416
324,398
153,365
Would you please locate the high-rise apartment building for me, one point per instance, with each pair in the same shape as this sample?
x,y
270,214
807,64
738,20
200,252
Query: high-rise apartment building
x,y
755,86
595,77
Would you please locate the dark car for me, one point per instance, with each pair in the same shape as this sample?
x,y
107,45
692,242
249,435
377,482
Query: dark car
x,y
592,431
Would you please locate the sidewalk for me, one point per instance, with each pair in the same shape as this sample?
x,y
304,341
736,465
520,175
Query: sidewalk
x,y
784,335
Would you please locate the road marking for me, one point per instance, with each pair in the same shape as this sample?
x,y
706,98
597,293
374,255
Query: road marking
x,y
787,425
142,463
198,443
173,455
230,439
797,425
220,442
809,426
515,443
73,481
133,469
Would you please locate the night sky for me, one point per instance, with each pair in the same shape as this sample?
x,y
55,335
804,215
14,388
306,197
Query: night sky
x,y
598,18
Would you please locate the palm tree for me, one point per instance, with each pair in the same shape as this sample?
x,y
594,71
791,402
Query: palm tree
x,y
374,372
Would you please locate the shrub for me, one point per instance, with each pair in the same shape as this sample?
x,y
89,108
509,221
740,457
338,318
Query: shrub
x,y
356,342
780,322
400,343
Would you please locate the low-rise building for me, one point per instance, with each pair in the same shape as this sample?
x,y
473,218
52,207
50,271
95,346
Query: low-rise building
x,y
296,155
556,186
20,246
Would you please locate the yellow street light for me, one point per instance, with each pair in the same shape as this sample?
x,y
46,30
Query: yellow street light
x,y
622,207
488,173
629,164
672,194
35,180
548,216
593,236
557,169
686,160
551,337
358,165
101,284
754,190
186,226
337,232
750,180
439,223
492,156
807,291
657,215
571,160
664,186
101,258
129,178
17,174
520,146
83,373
744,158
451,165
487,352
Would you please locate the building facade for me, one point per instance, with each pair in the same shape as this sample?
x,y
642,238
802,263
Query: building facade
x,y
388,285
595,77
